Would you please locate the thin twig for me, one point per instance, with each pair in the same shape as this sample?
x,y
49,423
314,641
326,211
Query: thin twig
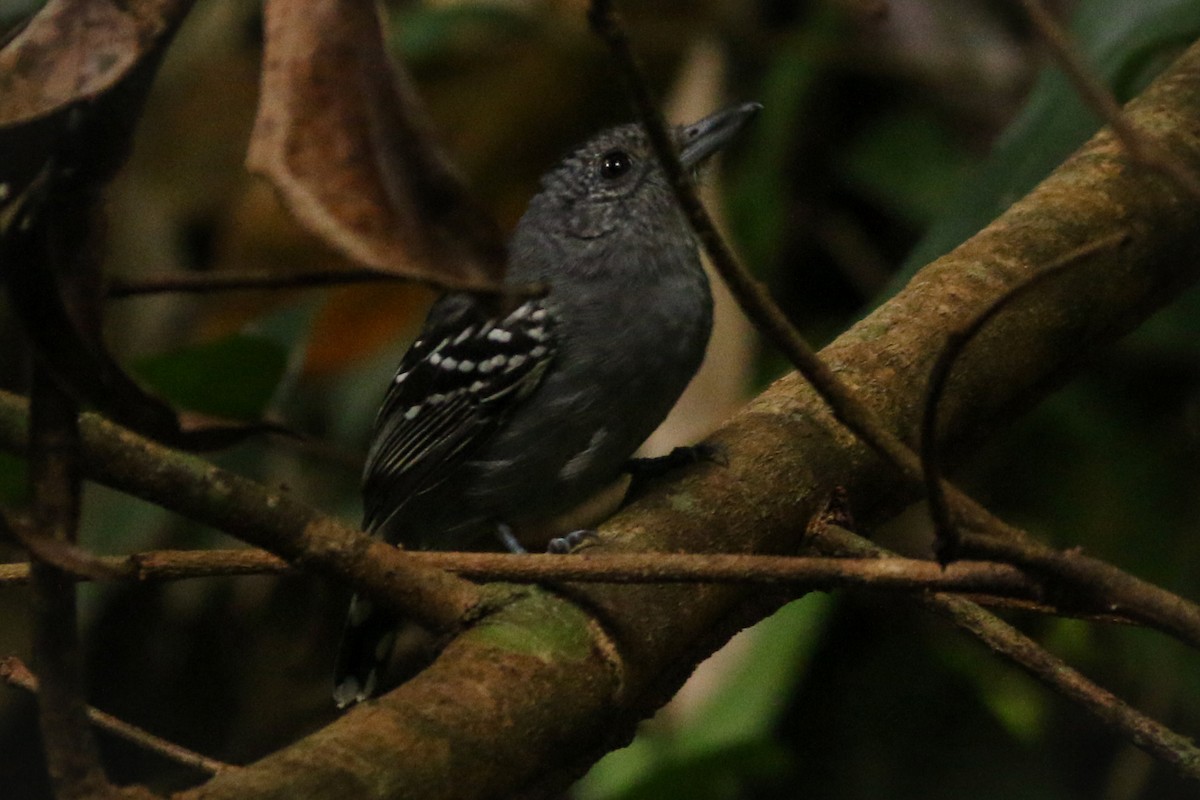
x,y
751,295
946,546
1097,581
215,282
72,757
14,672
1141,146
814,573
843,402
990,583
1009,643
73,561
1006,641
267,518
161,565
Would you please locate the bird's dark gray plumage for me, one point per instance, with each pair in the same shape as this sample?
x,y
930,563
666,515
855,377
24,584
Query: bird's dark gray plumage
x,y
498,422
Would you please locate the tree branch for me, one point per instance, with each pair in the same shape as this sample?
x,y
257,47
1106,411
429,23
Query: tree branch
x,y
270,519
1014,646
72,758
1006,641
15,673
216,282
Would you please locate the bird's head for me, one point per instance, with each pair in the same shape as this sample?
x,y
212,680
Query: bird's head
x,y
613,185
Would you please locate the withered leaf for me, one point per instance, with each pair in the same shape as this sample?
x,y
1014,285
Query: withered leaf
x,y
343,137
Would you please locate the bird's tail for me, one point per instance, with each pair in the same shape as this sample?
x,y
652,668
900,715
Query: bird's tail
x,y
366,644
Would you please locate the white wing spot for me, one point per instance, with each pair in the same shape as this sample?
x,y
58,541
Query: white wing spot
x,y
462,337
499,335
466,366
538,333
537,351
538,315
435,359
412,412
449,363
476,386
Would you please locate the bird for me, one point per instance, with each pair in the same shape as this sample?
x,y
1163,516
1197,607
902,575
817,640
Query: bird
x,y
501,418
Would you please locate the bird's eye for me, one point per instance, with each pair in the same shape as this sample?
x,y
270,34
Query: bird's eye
x,y
614,164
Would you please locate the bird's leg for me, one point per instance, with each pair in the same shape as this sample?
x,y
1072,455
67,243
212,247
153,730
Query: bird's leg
x,y
505,534
643,470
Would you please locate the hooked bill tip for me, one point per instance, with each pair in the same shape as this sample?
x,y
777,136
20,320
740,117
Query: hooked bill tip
x,y
704,137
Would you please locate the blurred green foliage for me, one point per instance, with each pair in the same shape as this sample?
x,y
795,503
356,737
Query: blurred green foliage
x,y
249,370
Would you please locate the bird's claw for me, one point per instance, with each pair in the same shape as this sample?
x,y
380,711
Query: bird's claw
x,y
561,545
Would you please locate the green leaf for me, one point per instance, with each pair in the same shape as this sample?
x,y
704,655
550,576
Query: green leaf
x,y
14,480
731,732
426,32
753,697
234,377
882,158
1124,44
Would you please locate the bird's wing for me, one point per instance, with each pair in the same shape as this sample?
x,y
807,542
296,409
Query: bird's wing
x,y
454,387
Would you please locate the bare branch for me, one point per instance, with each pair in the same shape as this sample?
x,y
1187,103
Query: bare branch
x,y
15,673
270,519
1012,645
1119,591
1006,641
214,282
990,583
940,507
750,294
72,757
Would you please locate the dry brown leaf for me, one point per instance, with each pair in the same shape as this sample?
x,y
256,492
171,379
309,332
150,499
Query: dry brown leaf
x,y
75,50
342,135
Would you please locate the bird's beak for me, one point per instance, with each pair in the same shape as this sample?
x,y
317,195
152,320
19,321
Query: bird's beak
x,y
701,139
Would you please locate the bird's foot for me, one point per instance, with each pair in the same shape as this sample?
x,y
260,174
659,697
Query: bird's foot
x,y
565,544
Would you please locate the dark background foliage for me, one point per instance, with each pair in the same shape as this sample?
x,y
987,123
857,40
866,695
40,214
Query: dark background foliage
x,y
885,140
